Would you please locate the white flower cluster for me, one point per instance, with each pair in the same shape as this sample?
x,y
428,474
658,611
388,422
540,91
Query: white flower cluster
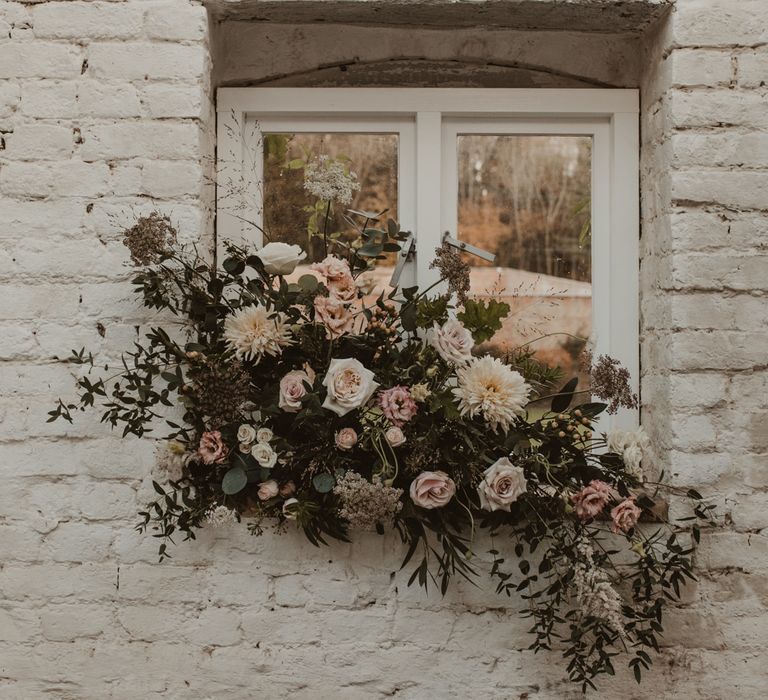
x,y
632,446
595,595
327,179
366,503
170,459
220,516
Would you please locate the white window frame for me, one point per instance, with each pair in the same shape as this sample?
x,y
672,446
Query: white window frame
x,y
427,122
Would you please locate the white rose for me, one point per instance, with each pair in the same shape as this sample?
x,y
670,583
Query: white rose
x,y
246,434
264,455
616,440
349,385
293,389
633,455
280,258
452,341
503,483
395,436
264,435
268,489
289,508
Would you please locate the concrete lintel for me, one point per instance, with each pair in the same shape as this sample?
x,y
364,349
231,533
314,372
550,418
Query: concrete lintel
x,y
613,16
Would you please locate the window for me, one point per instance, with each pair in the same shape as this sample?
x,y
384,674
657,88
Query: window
x,y
545,179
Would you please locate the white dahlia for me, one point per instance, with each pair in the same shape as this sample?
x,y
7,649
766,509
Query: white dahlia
x,y
253,332
489,387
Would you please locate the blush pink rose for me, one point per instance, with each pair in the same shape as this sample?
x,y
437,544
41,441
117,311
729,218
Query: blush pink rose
x,y
288,489
590,501
334,315
212,448
293,388
343,289
346,438
625,516
398,405
333,268
432,489
268,489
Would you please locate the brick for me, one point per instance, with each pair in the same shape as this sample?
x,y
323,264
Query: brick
x,y
753,68
739,189
722,149
720,22
46,98
718,271
68,622
172,21
717,107
695,67
139,61
10,96
171,178
166,100
96,20
98,99
39,142
39,60
140,140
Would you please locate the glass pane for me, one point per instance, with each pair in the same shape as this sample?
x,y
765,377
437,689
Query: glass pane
x,y
294,209
527,199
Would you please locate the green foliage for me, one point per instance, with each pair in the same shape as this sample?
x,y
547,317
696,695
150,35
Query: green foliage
x,y
483,318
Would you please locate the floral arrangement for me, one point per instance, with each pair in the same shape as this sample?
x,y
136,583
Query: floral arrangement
x,y
301,402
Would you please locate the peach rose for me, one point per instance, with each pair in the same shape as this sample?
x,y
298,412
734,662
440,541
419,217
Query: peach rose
x,y
432,489
349,385
590,501
625,515
334,315
268,489
212,448
346,438
343,289
287,489
333,268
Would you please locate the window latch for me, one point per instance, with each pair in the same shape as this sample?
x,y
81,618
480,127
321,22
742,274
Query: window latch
x,y
406,254
468,248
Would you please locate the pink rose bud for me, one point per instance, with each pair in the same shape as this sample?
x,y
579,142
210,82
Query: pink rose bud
x,y
268,489
346,438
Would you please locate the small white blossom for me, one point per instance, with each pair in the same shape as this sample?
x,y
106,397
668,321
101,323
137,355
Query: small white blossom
x,y
327,179
220,515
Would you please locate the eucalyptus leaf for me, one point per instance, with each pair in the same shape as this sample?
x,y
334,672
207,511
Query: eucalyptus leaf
x,y
323,483
234,481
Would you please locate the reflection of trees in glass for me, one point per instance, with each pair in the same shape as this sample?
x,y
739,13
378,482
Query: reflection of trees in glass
x,y
524,198
289,210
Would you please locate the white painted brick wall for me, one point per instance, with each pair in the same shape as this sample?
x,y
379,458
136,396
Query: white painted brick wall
x,y
104,114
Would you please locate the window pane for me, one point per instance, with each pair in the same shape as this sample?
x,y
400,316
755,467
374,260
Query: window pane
x,y
527,199
293,214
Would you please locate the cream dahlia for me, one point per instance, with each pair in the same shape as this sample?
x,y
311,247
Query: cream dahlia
x,y
253,332
492,389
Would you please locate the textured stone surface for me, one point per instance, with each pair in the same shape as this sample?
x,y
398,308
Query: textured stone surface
x,y
105,113
577,15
